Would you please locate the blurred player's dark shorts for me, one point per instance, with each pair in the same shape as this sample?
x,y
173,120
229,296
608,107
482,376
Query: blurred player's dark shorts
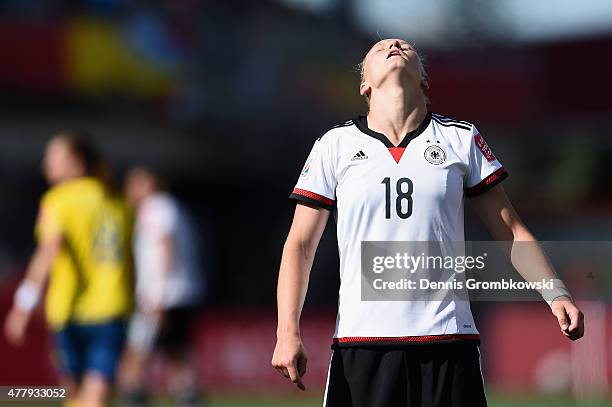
x,y
424,375
175,331
171,333
82,348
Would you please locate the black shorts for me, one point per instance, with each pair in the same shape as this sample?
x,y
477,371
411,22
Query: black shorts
x,y
420,375
176,328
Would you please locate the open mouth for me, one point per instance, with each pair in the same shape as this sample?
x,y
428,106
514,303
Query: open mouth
x,y
394,53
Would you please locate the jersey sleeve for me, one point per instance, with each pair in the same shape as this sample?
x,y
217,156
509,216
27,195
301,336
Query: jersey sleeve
x,y
316,184
484,169
160,218
49,222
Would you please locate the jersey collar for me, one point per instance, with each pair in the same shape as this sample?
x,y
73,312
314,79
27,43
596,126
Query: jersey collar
x,y
361,122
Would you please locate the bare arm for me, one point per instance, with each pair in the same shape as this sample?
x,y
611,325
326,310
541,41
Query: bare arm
x,y
504,224
167,251
42,259
31,286
298,254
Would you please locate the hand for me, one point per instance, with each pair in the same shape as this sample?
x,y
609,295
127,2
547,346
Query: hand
x,y
15,326
290,359
571,319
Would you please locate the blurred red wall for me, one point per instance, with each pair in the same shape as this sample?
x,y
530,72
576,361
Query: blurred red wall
x,y
522,350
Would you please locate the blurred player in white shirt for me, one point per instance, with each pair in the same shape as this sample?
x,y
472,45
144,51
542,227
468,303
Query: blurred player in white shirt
x,y
169,287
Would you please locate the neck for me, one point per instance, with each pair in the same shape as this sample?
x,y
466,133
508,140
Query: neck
x,y
396,111
72,176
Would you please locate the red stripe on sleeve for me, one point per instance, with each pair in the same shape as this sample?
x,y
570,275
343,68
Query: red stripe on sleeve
x,y
311,195
486,183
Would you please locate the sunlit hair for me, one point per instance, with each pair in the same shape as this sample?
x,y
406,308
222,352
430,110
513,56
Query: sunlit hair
x,y
424,77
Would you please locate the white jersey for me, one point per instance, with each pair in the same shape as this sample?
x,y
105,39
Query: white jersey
x,y
158,217
355,172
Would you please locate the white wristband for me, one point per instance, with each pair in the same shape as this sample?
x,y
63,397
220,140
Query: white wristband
x,y
559,290
27,296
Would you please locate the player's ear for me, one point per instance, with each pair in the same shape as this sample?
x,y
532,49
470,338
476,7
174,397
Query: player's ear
x,y
365,89
424,85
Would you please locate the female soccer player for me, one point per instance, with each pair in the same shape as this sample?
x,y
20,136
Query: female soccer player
x,y
401,173
168,289
83,232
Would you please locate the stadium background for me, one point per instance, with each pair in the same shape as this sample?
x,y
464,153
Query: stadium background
x,y
226,97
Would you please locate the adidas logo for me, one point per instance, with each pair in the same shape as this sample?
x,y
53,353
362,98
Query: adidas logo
x,y
359,156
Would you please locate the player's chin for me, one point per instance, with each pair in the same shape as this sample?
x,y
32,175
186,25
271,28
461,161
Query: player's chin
x,y
397,68
404,68
397,62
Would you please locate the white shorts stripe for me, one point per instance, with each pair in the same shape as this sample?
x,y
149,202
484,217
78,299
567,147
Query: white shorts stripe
x,y
327,382
481,373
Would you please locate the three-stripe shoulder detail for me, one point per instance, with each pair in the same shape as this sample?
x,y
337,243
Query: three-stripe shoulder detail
x,y
337,126
450,122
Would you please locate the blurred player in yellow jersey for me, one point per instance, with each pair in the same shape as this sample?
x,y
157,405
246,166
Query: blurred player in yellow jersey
x,y
84,234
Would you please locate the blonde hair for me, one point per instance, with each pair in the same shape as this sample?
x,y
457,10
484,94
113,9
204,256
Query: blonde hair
x,y
424,76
